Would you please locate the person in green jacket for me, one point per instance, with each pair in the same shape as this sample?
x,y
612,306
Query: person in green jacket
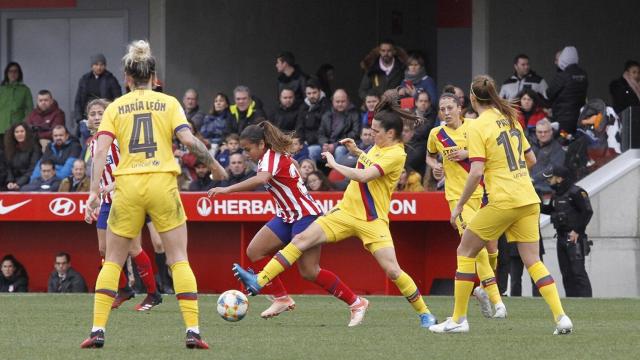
x,y
15,98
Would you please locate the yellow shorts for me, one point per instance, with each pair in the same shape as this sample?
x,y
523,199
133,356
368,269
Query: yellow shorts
x,y
339,225
153,194
519,225
468,212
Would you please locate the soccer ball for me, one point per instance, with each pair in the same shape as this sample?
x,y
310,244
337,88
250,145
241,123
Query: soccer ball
x,y
233,305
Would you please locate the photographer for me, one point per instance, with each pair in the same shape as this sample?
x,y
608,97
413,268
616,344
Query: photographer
x,y
570,211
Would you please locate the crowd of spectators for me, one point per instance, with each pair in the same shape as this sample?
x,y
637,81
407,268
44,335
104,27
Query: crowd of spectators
x,y
38,153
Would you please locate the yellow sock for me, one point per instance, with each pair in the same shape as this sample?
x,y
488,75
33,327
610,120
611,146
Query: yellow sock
x,y
547,287
106,291
465,277
493,260
280,262
186,288
408,288
487,277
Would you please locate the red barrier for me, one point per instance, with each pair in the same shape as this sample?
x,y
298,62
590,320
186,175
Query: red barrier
x,y
34,226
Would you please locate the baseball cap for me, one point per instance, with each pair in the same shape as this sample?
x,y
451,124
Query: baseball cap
x,y
557,170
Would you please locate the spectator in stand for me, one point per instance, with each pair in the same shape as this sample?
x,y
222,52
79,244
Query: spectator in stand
x,y
523,78
548,152
187,160
317,181
299,150
21,154
530,110
44,117
63,151
238,171
215,125
64,279
245,112
365,142
307,167
625,91
202,181
342,121
310,117
286,115
78,180
99,83
567,91
370,101
424,109
229,147
15,98
326,78
46,180
415,147
409,181
383,68
14,276
416,80
192,108
290,76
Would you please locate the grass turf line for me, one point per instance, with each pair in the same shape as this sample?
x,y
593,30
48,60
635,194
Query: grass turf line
x,y
43,326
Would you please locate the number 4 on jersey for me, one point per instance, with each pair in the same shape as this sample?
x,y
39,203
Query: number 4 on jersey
x,y
142,122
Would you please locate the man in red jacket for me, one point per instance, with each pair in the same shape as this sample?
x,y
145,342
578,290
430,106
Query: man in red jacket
x,y
44,117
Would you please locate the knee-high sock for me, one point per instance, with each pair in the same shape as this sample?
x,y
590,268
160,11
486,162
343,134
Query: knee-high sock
x,y
145,271
547,287
465,277
275,287
408,288
279,263
487,277
184,284
334,286
106,290
493,260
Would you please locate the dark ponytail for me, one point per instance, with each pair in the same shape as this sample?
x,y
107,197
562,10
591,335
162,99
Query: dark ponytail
x,y
391,116
273,138
483,89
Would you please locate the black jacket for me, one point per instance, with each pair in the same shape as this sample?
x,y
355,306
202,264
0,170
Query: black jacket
x,y
622,96
547,155
234,179
19,282
349,127
109,89
377,79
567,93
570,209
21,165
309,119
296,82
284,119
201,184
72,283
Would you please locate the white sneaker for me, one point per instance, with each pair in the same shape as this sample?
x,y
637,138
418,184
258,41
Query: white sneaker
x,y
483,300
279,306
501,311
564,326
450,326
358,311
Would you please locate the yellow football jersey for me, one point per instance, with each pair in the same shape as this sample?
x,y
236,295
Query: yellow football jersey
x,y
370,201
492,140
444,140
144,123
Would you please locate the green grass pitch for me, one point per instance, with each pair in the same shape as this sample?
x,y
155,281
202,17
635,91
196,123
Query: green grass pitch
x,y
42,326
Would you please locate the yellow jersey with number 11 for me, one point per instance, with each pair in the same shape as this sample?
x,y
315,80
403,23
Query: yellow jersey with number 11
x,y
144,122
492,140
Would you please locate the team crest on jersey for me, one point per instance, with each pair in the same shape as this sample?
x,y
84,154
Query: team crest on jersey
x,y
109,159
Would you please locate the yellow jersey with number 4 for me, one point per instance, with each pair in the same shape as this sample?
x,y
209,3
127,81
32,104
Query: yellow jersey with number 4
x,y
144,122
492,140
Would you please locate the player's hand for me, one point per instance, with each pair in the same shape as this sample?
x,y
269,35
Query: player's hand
x,y
91,215
438,172
331,162
573,236
350,144
454,215
217,190
93,202
458,155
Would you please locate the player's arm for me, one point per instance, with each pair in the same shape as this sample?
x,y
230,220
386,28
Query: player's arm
x,y
197,148
261,178
530,158
99,161
475,175
359,175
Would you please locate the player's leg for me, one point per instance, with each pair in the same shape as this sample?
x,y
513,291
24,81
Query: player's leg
x,y
145,271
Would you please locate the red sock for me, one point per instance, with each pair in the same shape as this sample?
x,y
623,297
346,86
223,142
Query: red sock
x,y
275,287
123,281
145,271
330,282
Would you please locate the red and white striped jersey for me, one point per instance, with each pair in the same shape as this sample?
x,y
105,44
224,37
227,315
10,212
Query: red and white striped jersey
x,y
113,158
292,198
